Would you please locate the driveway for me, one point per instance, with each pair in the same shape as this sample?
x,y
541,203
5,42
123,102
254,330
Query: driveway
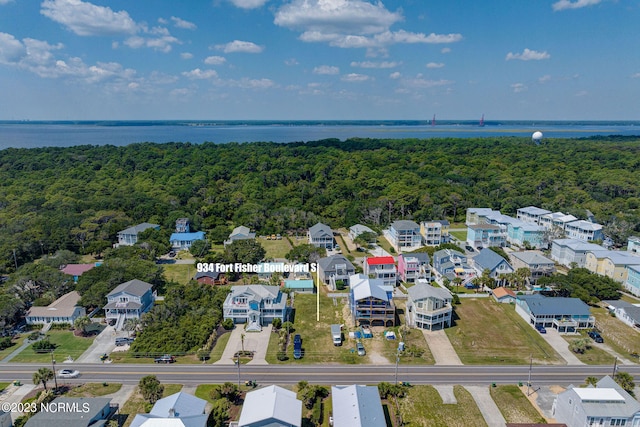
x,y
253,341
487,406
560,345
441,348
104,342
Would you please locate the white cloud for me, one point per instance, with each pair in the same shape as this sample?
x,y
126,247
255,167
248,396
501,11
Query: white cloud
x,y
420,83
354,77
635,76
395,75
379,40
248,4
5,2
544,79
214,60
528,55
519,87
445,50
291,62
87,19
11,49
181,23
336,16
239,46
326,69
246,83
578,4
369,64
198,74
435,65
162,43
186,55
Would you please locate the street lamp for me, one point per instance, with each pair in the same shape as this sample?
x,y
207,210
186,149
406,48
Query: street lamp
x,y
55,377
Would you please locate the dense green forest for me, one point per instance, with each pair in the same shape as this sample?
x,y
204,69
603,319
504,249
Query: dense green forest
x,y
78,198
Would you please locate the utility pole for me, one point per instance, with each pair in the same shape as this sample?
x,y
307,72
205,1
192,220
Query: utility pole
x,y
615,367
238,362
529,379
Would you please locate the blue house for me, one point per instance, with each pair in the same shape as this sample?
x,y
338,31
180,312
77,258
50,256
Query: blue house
x,y
564,314
632,284
183,241
520,232
489,260
128,301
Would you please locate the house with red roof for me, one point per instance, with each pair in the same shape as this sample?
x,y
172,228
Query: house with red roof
x,y
76,270
382,267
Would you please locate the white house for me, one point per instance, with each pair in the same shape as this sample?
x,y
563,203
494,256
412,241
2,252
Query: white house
x,y
63,310
428,307
357,406
240,233
568,251
531,214
584,230
129,236
256,305
178,409
321,235
271,406
128,301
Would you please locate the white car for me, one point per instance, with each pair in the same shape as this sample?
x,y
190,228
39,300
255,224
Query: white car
x,y
68,373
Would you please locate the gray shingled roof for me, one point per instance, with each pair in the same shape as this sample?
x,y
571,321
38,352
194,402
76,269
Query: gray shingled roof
x,y
532,257
329,263
419,292
134,287
138,228
404,224
488,259
556,306
320,230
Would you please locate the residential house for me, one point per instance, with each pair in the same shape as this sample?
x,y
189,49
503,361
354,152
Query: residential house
x,y
76,270
524,234
538,264
382,267
503,295
183,238
271,406
414,267
489,260
584,230
129,236
477,215
405,235
569,251
129,300
556,221
632,284
240,233
91,411
531,214
305,286
333,268
486,235
428,307
357,406
321,236
266,270
435,233
633,245
63,310
371,301
177,410
606,404
358,229
612,264
451,264
625,311
567,315
256,305
211,278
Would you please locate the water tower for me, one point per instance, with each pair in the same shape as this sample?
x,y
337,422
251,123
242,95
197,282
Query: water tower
x,y
536,137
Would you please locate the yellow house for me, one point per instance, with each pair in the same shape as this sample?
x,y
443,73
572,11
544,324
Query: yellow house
x,y
612,264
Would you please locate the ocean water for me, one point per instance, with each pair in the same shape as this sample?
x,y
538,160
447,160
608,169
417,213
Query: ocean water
x,y
118,133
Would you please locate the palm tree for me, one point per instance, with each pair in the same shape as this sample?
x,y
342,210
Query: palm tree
x,y
81,323
43,375
457,280
131,324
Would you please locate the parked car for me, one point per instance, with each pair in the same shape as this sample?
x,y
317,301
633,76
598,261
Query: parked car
x,y
297,347
68,373
360,348
167,358
541,329
469,248
123,341
595,335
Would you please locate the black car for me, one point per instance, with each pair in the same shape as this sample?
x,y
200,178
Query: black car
x,y
297,347
595,335
469,248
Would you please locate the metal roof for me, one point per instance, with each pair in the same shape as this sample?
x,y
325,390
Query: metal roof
x,y
139,228
134,287
419,292
489,259
364,287
273,404
182,404
556,306
357,406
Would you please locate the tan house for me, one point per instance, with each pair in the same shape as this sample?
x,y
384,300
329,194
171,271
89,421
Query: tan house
x,y
63,310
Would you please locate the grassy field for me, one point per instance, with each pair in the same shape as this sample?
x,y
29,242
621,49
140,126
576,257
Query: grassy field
x,y
67,345
16,343
93,390
218,349
460,235
3,386
619,336
486,332
630,299
275,248
423,407
593,355
137,405
180,273
514,405
384,244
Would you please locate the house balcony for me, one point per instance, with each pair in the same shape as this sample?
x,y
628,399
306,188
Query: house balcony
x,y
432,313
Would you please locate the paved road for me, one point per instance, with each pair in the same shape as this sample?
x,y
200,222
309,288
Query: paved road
x,y
323,374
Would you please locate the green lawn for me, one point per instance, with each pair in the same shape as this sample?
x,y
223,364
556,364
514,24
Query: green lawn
x,y
630,299
423,407
4,385
67,345
137,405
514,405
16,343
180,273
384,244
275,248
460,235
410,337
620,337
93,390
593,355
218,348
486,332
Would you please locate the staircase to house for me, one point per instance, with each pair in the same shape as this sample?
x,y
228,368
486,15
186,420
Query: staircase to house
x,y
120,322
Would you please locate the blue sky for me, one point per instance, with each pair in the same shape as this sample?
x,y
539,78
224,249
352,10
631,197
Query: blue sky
x,y
319,59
